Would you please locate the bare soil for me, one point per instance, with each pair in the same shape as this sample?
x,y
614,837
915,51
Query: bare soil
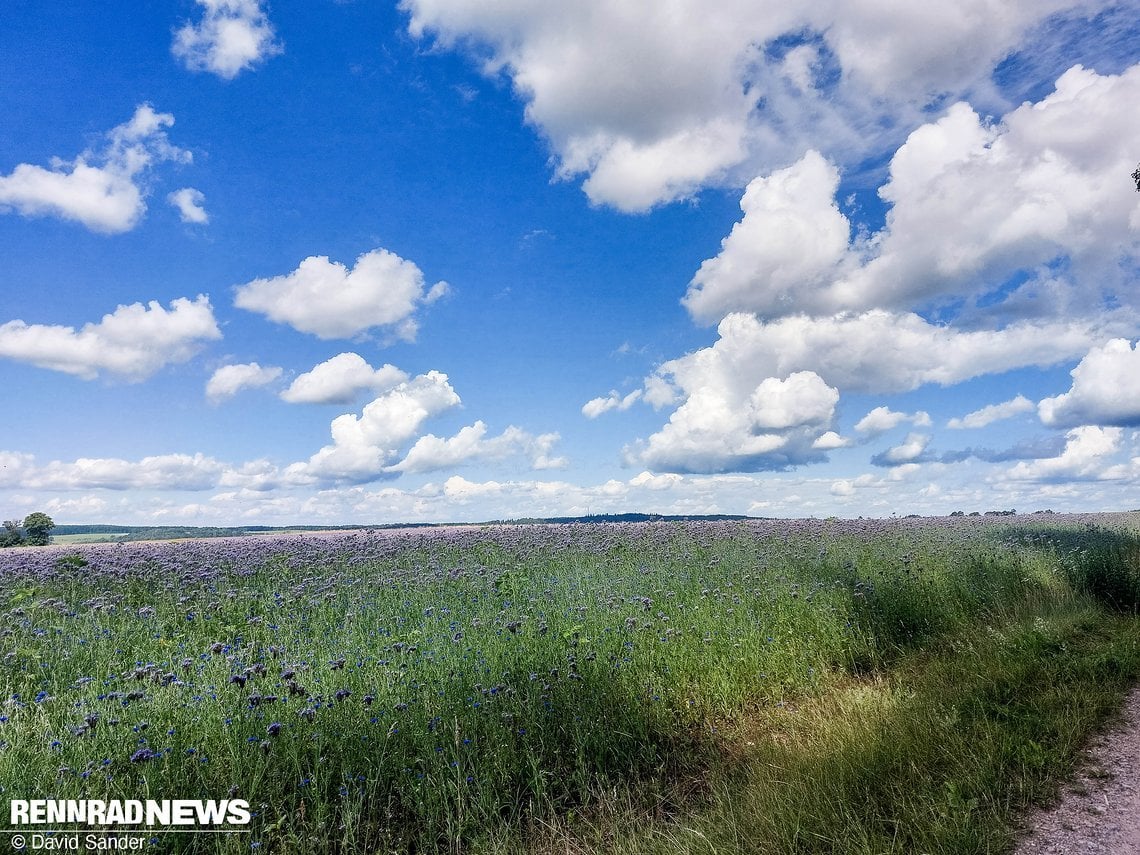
x,y
1099,810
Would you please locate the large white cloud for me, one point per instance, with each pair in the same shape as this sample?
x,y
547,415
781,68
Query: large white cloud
x,y
715,427
100,188
231,35
387,440
920,50
133,342
1088,455
723,425
327,299
1105,390
875,351
792,239
973,203
341,379
652,104
364,446
228,380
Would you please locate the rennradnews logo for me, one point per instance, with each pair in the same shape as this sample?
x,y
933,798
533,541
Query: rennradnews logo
x,y
128,812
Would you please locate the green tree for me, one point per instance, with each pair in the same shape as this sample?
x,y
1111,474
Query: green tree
x,y
38,527
12,536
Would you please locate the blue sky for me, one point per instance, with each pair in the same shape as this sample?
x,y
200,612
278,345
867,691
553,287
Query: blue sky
x,y
353,262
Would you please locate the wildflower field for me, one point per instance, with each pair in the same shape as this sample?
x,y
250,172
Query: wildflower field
x,y
902,685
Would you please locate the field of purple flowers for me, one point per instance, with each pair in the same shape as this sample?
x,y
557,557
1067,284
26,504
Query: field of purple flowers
x,y
439,689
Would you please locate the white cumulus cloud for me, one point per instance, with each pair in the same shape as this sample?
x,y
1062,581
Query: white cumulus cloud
x,y
791,239
230,36
882,419
874,351
613,401
133,342
653,105
908,451
830,440
364,446
973,202
228,380
723,425
1087,456
1105,390
328,300
101,189
340,380
189,203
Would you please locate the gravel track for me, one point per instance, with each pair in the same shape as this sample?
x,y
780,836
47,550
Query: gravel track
x,y
1099,811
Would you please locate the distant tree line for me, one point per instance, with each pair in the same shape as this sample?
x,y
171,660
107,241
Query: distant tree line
x,y
33,530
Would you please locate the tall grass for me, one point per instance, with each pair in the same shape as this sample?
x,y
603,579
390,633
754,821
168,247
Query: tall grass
x,y
435,692
940,755
1100,560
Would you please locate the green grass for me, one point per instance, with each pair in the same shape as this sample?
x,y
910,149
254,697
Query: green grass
x,y
664,688
941,755
96,537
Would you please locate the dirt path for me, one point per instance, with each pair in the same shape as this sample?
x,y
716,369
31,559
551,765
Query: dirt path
x,y
1099,813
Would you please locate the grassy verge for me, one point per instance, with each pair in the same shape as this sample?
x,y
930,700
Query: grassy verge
x,y
940,754
784,687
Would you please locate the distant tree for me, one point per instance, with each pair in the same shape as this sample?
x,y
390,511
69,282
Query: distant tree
x,y
1136,178
12,535
38,527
